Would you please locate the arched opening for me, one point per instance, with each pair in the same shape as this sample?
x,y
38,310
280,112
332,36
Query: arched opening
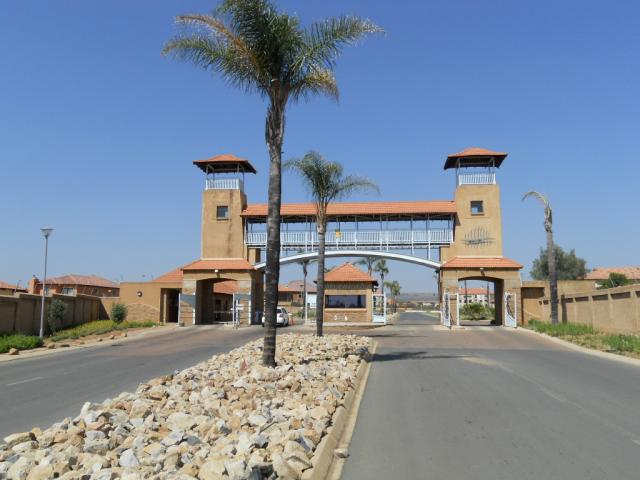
x,y
480,301
215,300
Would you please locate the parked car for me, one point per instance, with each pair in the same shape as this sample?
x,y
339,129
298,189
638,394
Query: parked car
x,y
282,317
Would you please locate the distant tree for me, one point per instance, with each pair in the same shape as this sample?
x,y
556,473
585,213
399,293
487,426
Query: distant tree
x,y
394,290
615,280
57,311
368,262
305,271
381,269
568,265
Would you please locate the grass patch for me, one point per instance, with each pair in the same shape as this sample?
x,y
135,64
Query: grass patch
x,y
560,329
21,342
588,337
96,328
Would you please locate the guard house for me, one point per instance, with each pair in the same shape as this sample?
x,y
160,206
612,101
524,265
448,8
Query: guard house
x,y
224,256
476,253
348,295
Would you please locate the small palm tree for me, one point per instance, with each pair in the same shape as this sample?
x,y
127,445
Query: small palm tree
x,y
305,271
368,262
327,183
259,49
381,269
551,257
394,290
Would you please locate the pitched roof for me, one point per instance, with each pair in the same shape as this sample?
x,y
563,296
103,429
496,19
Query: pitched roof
x,y
219,264
347,272
88,280
447,207
296,285
600,273
174,276
481,262
284,288
473,291
8,286
225,163
475,156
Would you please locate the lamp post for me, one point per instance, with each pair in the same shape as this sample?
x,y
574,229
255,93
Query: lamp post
x,y
45,232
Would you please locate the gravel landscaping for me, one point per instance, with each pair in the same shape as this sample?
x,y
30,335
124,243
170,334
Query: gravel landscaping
x,y
228,417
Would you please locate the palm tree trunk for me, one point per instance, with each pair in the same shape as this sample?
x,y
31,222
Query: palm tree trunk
x,y
274,133
553,277
320,281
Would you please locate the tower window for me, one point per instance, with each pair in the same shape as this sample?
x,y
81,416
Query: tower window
x,y
477,208
222,212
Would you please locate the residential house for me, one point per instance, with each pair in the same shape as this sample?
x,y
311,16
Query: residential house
x,y
74,284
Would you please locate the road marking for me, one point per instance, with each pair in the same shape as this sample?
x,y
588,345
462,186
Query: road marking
x,y
24,381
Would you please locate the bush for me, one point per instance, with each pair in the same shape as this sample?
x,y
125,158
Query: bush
x,y
96,328
55,316
560,329
475,311
21,342
623,343
118,312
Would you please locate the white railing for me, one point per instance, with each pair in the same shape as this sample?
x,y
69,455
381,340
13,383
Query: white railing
x,y
224,184
380,239
476,178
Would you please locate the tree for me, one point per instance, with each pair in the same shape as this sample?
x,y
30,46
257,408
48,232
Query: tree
x,y
261,50
381,269
551,259
56,314
326,183
368,262
305,271
615,280
568,265
394,290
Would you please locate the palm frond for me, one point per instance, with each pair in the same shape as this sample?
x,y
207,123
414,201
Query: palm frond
x,y
540,196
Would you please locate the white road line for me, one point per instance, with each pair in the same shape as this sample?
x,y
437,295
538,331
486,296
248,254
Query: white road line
x,y
24,381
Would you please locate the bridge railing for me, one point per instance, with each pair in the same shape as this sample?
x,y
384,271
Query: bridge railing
x,y
381,239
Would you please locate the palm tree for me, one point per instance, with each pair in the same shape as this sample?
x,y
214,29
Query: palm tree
x,y
368,262
305,271
381,269
326,182
394,290
551,257
259,49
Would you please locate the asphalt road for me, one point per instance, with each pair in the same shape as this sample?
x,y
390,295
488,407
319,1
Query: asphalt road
x,y
43,390
491,403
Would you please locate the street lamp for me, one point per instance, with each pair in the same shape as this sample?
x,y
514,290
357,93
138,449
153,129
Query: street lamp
x,y
46,231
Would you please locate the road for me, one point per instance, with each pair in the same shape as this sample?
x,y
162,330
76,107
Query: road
x,y
43,390
491,403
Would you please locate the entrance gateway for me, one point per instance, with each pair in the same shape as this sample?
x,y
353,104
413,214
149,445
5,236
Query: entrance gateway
x,y
459,239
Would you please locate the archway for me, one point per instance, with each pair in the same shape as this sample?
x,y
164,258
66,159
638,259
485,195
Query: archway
x,y
214,300
480,300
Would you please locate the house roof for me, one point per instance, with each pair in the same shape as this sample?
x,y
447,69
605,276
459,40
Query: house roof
x,y
8,286
481,262
87,280
602,273
219,264
295,286
473,291
444,207
227,287
347,272
475,157
174,276
225,163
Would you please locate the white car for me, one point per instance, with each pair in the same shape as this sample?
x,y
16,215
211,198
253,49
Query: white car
x,y
282,318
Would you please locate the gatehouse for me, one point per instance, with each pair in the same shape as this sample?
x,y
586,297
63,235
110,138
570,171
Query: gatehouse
x,y
459,239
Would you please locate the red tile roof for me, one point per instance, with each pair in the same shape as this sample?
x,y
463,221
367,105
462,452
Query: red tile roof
x,y
357,208
473,291
219,264
8,286
174,276
475,152
347,272
481,262
88,280
227,287
225,163
632,273
296,286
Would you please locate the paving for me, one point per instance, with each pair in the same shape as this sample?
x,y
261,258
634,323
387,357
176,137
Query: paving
x,y
42,390
493,403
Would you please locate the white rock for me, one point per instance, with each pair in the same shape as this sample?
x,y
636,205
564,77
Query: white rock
x,y
128,459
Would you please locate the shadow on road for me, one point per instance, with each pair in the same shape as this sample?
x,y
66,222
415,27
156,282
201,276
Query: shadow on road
x,y
394,356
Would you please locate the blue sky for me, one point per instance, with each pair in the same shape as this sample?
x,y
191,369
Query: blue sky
x,y
98,130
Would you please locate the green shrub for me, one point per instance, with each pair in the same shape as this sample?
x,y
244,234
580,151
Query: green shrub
x,y
21,342
118,312
475,311
96,328
55,315
623,343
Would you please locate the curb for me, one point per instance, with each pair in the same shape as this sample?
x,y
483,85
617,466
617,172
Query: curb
x,y
43,351
325,464
579,348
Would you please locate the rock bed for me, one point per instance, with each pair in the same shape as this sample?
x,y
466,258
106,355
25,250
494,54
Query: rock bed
x,y
228,417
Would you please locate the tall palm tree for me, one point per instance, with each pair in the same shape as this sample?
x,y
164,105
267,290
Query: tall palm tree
x,y
381,269
394,290
326,183
261,50
305,271
551,257
368,262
